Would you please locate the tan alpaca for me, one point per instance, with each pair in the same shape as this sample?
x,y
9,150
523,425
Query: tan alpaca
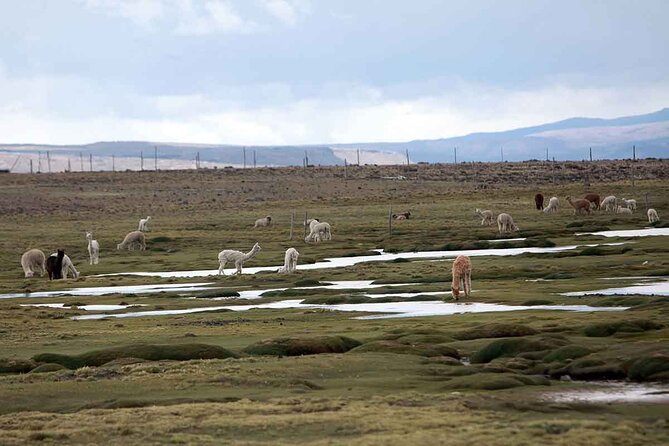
x,y
462,276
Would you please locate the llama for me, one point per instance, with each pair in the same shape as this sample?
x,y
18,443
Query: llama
x,y
290,261
652,216
68,267
144,224
553,205
592,198
630,204
33,261
623,210
54,265
131,239
319,231
462,276
505,223
609,204
402,216
230,255
579,205
93,249
263,222
486,217
539,202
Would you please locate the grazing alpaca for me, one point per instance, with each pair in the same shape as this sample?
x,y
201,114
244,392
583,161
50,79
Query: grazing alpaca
x,y
263,222
289,261
609,204
68,267
144,224
623,210
54,265
402,216
579,205
592,198
553,205
33,261
505,223
462,277
319,231
131,239
630,204
93,249
652,216
486,217
539,202
230,255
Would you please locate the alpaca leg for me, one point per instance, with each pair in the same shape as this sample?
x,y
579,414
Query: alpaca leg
x,y
239,267
221,265
467,284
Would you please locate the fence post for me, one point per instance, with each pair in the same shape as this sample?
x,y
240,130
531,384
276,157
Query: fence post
x,y
305,224
292,222
390,220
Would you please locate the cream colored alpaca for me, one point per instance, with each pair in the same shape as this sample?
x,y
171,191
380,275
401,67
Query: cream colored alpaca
x,y
553,205
93,249
144,224
263,222
319,231
486,217
505,223
462,277
652,216
623,210
230,255
68,267
290,261
33,261
131,239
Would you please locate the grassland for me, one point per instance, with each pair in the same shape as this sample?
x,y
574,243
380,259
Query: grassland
x,y
379,381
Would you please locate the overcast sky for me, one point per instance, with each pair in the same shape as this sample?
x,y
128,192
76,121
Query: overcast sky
x,y
321,71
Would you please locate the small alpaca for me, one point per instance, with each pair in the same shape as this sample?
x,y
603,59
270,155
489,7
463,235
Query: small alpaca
x,y
230,255
630,204
54,265
33,261
539,202
93,249
131,239
652,216
553,205
579,205
592,198
505,223
462,277
319,231
486,217
609,204
144,224
290,261
623,210
263,222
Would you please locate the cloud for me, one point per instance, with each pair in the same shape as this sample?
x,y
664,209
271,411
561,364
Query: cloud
x,y
214,16
141,12
287,11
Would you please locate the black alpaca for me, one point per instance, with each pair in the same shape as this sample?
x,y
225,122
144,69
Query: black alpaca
x,y
539,202
54,265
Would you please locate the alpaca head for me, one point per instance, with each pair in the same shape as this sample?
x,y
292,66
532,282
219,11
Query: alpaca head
x,y
268,218
256,247
89,235
455,291
148,218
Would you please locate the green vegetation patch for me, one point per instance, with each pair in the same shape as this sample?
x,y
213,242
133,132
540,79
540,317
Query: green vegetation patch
x,y
649,368
294,346
217,293
495,381
388,346
572,351
49,367
611,328
512,347
495,331
534,302
16,365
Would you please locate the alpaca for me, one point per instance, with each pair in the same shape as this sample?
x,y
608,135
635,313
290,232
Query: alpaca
x,y
553,205
462,277
144,224
623,210
592,198
263,222
652,216
54,265
630,204
68,267
290,261
230,255
131,239
319,231
505,223
33,261
93,249
486,217
609,204
309,221
579,205
402,216
539,202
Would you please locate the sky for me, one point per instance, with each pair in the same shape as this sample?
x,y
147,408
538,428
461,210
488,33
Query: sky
x,y
321,71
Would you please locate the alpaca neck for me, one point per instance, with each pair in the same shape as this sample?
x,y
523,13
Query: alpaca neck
x,y
250,254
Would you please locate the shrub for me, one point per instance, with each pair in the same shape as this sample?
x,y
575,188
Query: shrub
x,y
611,328
649,368
302,346
511,347
495,331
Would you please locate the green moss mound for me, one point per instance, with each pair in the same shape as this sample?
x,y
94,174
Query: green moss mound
x,y
151,352
49,367
534,302
495,331
629,326
302,346
16,365
567,352
217,293
495,381
308,282
649,368
512,347
592,251
388,346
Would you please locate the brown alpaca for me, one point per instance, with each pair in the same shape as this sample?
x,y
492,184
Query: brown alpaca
x,y
402,215
462,276
579,205
539,202
592,198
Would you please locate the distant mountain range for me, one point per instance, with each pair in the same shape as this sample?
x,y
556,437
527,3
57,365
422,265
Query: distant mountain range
x,y
565,140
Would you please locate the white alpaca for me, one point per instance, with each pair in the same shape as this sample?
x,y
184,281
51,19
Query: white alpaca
x,y
144,224
230,255
553,205
33,261
609,204
319,232
68,267
630,204
131,239
622,210
486,217
263,222
290,261
505,223
309,221
652,216
93,249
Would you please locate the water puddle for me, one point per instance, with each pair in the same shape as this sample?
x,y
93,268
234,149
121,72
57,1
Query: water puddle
x,y
609,392
659,288
109,307
124,289
647,232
